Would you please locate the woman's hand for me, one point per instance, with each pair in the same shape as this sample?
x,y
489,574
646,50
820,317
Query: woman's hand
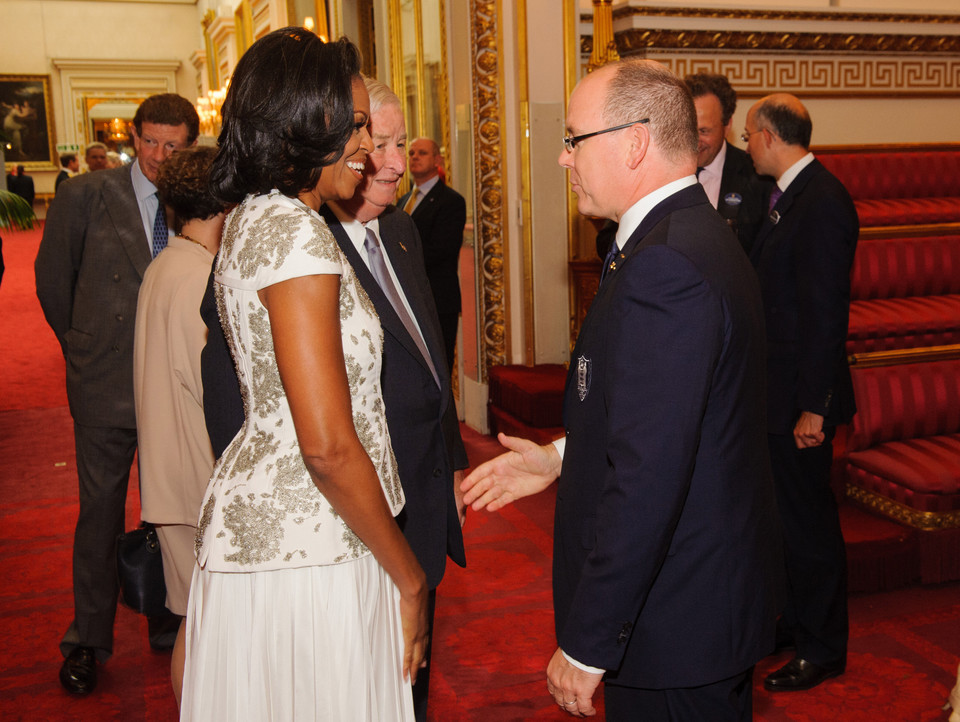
x,y
413,616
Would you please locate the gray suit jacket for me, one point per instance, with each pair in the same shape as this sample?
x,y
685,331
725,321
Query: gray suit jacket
x,y
91,261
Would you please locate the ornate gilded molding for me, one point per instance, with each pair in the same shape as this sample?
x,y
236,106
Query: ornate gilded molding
x,y
490,229
925,520
824,75
781,15
635,41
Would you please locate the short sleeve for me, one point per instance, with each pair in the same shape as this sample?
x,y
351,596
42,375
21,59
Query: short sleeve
x,y
269,239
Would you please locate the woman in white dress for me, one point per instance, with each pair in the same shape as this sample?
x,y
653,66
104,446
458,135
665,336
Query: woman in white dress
x,y
307,603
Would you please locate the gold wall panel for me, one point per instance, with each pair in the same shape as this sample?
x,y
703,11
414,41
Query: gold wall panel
x,y
490,227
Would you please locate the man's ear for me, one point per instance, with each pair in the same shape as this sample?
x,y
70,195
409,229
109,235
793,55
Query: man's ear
x,y
639,136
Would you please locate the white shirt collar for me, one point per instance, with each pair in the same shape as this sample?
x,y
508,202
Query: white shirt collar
x,y
428,185
355,230
791,173
141,184
635,214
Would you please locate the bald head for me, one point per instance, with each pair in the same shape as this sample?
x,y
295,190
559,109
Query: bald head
x,y
785,115
778,130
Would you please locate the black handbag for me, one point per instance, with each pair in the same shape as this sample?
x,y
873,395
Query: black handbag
x,y
140,570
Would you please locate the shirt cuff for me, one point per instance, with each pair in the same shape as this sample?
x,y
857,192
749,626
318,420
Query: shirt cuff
x,y
560,444
580,665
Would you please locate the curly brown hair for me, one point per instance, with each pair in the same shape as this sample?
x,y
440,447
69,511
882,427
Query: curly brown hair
x,y
183,183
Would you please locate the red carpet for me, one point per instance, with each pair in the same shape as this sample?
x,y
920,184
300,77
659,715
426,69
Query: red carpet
x,y
494,630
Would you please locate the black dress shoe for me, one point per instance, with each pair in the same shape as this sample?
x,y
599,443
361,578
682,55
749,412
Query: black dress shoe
x,y
78,675
799,674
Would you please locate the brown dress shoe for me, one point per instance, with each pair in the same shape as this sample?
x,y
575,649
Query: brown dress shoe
x,y
799,674
78,675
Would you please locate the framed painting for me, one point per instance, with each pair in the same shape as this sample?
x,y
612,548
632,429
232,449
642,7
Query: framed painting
x,y
27,128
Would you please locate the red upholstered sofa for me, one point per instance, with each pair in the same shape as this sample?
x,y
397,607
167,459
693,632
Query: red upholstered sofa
x,y
899,185
903,450
905,293
527,401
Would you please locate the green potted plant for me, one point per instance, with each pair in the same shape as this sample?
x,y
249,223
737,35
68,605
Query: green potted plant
x,y
15,212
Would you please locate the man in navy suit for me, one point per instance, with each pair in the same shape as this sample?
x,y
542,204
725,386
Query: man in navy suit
x,y
101,233
803,254
725,172
666,547
421,415
440,214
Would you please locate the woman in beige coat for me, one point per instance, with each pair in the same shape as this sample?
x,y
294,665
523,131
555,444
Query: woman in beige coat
x,y
175,454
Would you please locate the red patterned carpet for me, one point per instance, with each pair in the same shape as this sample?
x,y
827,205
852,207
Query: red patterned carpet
x,y
494,630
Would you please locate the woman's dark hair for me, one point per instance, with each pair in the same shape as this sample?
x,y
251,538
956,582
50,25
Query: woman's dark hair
x,y
183,183
288,113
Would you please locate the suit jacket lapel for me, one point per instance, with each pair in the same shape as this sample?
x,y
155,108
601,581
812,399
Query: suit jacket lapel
x,y
782,208
392,238
389,320
124,211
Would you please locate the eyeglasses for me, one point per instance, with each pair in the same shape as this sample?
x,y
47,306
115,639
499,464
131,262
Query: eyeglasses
x,y
570,141
745,135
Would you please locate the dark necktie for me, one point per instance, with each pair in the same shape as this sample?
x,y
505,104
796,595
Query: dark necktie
x,y
774,197
378,267
609,260
159,230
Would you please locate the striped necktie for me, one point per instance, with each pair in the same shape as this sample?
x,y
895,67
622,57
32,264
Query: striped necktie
x,y
160,234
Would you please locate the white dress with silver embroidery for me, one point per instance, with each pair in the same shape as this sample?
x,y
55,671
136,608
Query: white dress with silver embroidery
x,y
290,616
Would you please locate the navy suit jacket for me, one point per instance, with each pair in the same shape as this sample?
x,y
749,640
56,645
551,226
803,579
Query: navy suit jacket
x,y
666,543
440,218
91,261
804,260
739,181
421,417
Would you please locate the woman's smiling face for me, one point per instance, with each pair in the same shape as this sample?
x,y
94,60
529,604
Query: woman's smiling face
x,y
340,180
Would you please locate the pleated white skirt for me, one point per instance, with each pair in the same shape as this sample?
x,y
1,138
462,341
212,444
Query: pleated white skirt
x,y
313,643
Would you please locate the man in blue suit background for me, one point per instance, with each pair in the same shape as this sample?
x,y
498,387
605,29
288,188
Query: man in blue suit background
x,y
666,543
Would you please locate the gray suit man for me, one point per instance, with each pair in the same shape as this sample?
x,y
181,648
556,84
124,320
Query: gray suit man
x,y
101,232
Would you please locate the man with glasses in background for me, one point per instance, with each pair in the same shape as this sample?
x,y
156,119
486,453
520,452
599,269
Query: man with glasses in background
x,y
803,254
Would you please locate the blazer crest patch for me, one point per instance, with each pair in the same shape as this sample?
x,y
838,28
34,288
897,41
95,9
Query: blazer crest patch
x,y
584,374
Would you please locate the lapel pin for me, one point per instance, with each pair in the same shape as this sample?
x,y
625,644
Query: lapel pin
x,y
775,217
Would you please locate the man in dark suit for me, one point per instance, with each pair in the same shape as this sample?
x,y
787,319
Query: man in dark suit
x,y
421,415
101,233
440,214
21,184
666,553
803,255
725,172
69,164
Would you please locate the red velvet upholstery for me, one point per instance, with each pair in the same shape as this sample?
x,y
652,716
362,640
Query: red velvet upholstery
x,y
532,394
900,267
905,440
890,323
906,293
900,187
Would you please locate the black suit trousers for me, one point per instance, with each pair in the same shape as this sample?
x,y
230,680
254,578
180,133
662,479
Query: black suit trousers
x,y
816,560
104,457
729,700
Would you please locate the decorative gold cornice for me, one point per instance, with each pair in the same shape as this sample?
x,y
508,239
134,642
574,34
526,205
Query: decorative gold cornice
x,y
490,229
635,41
802,15
924,520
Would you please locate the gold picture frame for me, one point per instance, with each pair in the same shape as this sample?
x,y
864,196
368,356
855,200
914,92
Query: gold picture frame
x,y
27,122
